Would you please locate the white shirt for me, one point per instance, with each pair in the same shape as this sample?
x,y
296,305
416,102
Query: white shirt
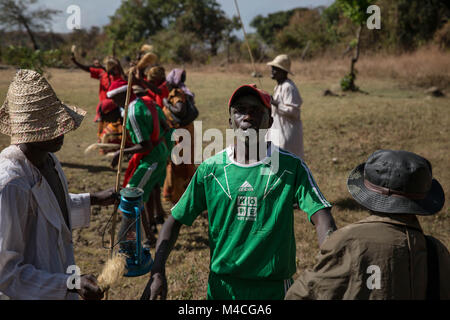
x,y
35,243
286,119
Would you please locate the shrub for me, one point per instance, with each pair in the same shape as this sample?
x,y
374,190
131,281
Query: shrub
x,y
27,58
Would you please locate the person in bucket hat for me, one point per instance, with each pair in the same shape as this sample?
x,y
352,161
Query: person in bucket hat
x,y
249,198
387,255
287,125
37,213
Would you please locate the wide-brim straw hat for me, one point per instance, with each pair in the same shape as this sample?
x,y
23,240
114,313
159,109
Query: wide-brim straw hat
x,y
33,113
283,62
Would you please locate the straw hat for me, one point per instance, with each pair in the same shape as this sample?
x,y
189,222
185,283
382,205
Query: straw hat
x,y
283,62
32,112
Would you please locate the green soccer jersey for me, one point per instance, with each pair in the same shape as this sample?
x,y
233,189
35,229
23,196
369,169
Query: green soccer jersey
x,y
140,127
250,212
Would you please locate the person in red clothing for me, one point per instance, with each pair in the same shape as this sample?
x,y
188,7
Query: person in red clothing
x,y
157,76
106,76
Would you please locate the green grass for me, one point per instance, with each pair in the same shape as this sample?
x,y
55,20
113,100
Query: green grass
x,y
349,128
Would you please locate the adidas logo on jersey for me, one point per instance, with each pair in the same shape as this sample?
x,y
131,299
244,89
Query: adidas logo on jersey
x,y
246,187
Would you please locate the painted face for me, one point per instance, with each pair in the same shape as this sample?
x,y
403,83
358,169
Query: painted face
x,y
248,112
53,145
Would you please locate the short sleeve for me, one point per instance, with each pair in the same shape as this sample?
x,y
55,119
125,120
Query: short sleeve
x,y
140,122
193,201
96,73
308,195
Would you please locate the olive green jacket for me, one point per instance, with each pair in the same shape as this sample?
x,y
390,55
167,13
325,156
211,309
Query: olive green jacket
x,y
381,257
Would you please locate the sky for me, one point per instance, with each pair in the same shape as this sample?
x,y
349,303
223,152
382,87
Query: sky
x,y
97,13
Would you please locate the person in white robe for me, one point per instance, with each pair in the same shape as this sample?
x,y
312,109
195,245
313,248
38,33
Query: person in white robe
x,y
37,212
287,129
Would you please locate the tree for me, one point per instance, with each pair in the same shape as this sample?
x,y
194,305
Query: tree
x,y
18,13
207,20
136,20
268,27
355,10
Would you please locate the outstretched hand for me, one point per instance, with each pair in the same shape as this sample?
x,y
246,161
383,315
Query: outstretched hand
x,y
105,198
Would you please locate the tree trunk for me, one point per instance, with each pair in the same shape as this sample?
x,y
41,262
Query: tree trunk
x,y
356,56
30,33
355,59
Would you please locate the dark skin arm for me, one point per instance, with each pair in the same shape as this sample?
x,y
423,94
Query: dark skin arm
x,y
104,198
157,284
324,223
79,65
142,147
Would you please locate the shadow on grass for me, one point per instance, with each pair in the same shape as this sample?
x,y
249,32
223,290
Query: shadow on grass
x,y
348,204
195,241
89,168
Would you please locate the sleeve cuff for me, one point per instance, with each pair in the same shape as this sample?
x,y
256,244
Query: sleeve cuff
x,y
80,209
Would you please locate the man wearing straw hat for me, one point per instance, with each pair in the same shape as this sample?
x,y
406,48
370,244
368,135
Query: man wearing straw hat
x,y
387,255
286,102
37,212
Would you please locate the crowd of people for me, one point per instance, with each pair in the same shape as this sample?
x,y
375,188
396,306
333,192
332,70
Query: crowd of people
x,y
250,204
159,104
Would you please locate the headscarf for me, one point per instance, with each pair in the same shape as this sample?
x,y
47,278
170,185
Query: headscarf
x,y
174,79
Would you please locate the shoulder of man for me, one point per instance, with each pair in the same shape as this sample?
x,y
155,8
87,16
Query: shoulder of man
x,y
217,161
15,170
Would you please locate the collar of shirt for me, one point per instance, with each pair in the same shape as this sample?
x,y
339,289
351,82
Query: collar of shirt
x,y
409,221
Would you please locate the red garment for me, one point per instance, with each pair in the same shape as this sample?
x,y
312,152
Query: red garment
x,y
158,98
151,106
105,81
132,166
137,157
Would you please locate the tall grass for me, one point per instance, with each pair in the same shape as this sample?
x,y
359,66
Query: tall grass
x,y
425,67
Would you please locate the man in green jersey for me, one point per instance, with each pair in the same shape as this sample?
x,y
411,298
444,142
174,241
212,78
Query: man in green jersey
x,y
147,167
250,211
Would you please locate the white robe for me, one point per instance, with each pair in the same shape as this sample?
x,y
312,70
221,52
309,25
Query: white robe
x,y
35,242
288,133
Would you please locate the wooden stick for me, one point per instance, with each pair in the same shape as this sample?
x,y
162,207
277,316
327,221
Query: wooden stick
x,y
119,166
246,41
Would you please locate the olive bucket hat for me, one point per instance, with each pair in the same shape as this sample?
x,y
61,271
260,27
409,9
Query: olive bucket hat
x,y
396,182
33,113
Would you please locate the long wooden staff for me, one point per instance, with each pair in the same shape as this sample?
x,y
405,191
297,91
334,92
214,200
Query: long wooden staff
x,y
119,166
248,45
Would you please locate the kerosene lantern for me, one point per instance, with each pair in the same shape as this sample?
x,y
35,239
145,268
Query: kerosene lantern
x,y
139,260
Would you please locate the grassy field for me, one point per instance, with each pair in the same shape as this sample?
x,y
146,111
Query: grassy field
x,y
393,114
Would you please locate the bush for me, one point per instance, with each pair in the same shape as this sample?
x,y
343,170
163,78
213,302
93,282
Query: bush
x,y
27,58
176,47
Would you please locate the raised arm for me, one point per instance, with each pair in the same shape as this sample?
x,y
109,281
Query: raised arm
x,y
79,65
